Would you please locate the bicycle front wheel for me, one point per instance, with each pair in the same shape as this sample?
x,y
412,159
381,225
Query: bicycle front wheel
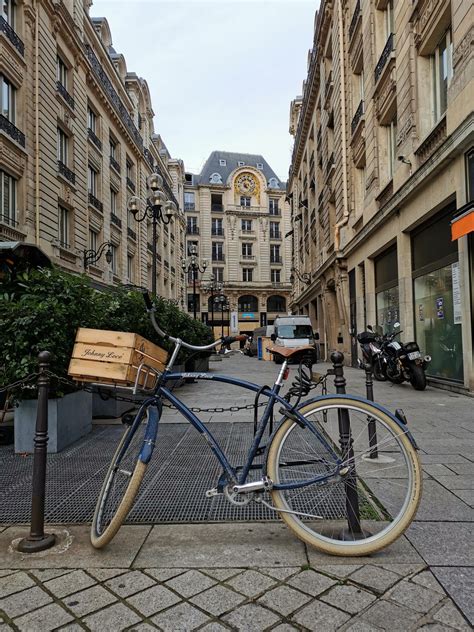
x,y
121,484
385,474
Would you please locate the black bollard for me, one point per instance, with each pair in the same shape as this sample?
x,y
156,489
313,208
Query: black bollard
x,y
38,540
354,530
369,387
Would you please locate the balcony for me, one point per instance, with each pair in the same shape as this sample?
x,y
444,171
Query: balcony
x,y
357,117
248,258
330,166
95,203
11,35
217,232
276,260
91,135
274,211
131,184
248,232
116,220
384,57
328,91
131,233
192,230
217,208
10,130
275,234
66,172
114,164
189,206
356,16
149,158
60,89
216,257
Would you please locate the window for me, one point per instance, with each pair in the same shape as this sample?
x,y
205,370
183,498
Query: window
x,y
189,203
129,172
192,248
247,274
113,148
391,147
92,239
129,267
113,201
218,274
247,251
216,202
191,298
216,227
275,275
114,262
222,162
188,178
273,206
246,225
273,183
61,72
388,19
259,165
241,163
92,180
92,120
7,198
7,99
217,251
62,140
8,11
248,303
245,201
442,72
64,229
192,225
276,304
215,178
275,230
275,253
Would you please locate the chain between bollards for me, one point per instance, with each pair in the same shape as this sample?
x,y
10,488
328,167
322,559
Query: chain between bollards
x,y
38,540
354,530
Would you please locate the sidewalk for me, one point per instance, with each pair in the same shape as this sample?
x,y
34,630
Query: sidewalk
x,y
258,576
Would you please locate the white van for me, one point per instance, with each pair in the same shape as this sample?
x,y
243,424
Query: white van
x,y
293,331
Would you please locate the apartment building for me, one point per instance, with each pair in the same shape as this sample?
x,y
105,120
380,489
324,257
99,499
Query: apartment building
x,y
237,220
383,161
77,140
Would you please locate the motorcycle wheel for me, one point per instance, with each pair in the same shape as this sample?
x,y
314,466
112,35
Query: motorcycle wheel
x,y
418,378
379,375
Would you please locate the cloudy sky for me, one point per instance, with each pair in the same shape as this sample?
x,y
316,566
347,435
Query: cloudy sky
x,y
221,73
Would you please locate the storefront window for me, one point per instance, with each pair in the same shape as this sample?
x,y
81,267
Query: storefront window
x,y
387,309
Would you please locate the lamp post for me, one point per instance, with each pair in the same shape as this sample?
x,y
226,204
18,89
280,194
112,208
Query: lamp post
x,y
213,286
195,267
92,256
155,202
221,300
304,277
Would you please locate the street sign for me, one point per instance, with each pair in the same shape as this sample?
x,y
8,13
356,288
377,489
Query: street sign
x,y
234,323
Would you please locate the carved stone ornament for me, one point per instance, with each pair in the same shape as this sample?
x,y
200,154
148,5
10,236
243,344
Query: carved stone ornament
x,y
264,224
232,221
405,130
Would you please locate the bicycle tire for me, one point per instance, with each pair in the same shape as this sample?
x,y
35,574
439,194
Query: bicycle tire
x,y
324,534
130,444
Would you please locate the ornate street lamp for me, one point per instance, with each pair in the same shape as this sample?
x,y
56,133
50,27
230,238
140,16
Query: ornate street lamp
x,y
92,256
194,266
304,277
223,301
213,287
155,203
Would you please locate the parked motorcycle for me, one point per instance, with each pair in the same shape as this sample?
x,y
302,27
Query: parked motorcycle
x,y
371,345
399,362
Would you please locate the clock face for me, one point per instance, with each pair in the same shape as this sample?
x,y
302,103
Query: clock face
x,y
246,184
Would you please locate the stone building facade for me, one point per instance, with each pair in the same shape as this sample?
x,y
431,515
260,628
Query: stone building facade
x,y
237,217
383,158
76,142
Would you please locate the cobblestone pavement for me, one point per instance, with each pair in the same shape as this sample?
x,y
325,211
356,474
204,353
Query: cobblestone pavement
x,y
249,576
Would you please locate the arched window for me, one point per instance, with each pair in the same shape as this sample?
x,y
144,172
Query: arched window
x,y
273,183
215,178
248,303
276,303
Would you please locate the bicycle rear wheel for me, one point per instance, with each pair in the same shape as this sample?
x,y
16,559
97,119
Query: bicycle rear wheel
x,y
121,484
388,486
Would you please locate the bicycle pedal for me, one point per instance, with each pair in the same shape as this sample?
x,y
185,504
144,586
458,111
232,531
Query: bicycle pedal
x,y
212,492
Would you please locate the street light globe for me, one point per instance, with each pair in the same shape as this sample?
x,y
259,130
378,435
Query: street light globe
x,y
157,198
134,204
154,182
170,208
109,256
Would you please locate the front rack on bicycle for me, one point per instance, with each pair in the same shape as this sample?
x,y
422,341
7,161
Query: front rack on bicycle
x,y
116,358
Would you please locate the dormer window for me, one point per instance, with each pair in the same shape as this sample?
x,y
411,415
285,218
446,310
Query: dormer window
x,y
215,178
273,183
241,163
260,165
222,162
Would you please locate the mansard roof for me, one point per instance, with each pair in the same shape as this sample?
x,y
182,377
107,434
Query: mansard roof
x,y
213,165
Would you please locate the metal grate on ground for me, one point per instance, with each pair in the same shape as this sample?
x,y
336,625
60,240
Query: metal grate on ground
x,y
173,491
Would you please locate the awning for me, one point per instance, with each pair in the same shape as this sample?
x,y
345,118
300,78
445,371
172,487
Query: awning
x,y
463,221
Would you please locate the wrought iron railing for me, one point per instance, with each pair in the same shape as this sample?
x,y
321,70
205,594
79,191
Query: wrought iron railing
x,y
217,207
189,206
12,131
131,233
66,172
149,158
65,94
218,257
276,260
12,36
355,19
94,138
93,201
192,230
330,164
115,220
114,164
357,116
131,184
217,232
320,198
384,57
275,234
8,219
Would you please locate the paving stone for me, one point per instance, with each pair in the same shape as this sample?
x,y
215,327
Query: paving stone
x,y
116,617
214,627
390,616
7,571
284,599
284,627
47,618
360,626
251,617
466,495
24,601
89,600
439,503
152,600
443,543
190,583
217,600
320,616
67,584
182,617
376,578
5,628
72,627
103,574
348,598
428,580
456,482
130,583
251,583
443,458
14,583
463,469
459,583
436,469
162,574
46,574
404,570
143,627
222,574
414,596
311,582
435,627
339,570
450,615
281,573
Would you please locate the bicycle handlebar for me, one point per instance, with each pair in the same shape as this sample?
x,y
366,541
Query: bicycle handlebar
x,y
225,340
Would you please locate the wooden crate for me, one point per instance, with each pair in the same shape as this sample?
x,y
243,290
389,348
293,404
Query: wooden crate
x,y
113,357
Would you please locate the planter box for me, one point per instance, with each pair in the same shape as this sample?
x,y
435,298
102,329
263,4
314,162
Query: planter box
x,y
104,407
69,419
198,365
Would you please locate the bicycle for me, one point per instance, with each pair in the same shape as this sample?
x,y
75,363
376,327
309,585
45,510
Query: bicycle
x,y
317,469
